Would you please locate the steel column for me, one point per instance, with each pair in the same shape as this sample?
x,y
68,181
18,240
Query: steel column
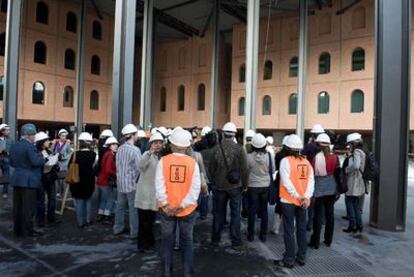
x,y
392,113
252,55
80,67
303,57
11,65
214,64
146,69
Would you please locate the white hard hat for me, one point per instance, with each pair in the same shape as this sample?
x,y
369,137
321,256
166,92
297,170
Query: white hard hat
x,y
323,138
4,126
163,130
129,129
41,136
294,142
63,132
317,129
106,133
230,127
169,132
141,134
205,131
353,137
259,141
111,140
154,130
156,136
284,140
270,140
180,137
250,133
84,136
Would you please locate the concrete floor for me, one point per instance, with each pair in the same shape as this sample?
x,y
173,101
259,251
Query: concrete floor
x,y
69,251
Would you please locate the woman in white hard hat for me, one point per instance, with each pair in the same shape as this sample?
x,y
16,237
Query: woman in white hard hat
x,y
105,134
355,182
325,166
296,190
261,168
82,191
62,147
107,181
145,199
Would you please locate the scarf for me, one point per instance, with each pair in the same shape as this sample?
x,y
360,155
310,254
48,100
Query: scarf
x,y
320,164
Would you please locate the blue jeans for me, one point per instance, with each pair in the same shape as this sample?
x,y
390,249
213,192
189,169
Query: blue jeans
x,y
168,232
290,214
203,205
257,202
50,190
353,211
106,200
221,198
5,169
122,200
83,211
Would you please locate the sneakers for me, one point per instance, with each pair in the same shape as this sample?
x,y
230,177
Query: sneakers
x,y
281,263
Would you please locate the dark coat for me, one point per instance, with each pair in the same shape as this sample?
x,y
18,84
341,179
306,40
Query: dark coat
x,y
84,189
27,162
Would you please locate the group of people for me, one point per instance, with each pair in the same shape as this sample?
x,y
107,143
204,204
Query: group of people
x,y
171,175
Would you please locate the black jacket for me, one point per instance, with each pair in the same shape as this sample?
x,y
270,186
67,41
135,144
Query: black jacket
x,y
84,189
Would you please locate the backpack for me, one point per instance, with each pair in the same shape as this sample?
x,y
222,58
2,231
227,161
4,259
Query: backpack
x,y
371,170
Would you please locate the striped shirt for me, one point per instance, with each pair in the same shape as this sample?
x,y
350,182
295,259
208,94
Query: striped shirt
x,y
127,171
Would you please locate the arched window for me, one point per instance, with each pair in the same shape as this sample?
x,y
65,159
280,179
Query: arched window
x,y
68,97
70,59
202,55
358,59
181,98
293,67
242,102
358,18
38,93
3,6
242,73
40,52
357,101
323,102
325,24
95,65
94,100
201,97
71,22
97,30
163,99
267,105
242,40
1,88
2,44
42,13
324,63
181,58
293,103
268,70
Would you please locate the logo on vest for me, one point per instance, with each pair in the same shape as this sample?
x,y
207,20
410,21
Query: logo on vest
x,y
178,173
303,171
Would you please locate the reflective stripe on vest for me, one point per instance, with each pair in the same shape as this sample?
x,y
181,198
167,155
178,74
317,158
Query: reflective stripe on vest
x,y
299,176
178,176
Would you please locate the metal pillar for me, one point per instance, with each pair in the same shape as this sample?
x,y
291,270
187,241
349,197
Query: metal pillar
x,y
392,113
214,64
11,65
252,55
146,68
303,57
123,64
80,67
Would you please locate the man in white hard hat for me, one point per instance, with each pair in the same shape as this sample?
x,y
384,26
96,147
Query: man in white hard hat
x,y
177,182
62,147
249,136
229,172
105,134
5,144
143,141
202,144
296,190
128,158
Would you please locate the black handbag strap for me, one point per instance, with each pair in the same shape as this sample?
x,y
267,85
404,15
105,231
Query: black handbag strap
x,y
270,166
224,157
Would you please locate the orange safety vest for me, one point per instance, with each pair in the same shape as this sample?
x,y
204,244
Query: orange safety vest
x,y
178,176
299,175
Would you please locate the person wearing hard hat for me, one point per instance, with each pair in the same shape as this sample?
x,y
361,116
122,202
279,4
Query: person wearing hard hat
x,y
142,142
49,176
128,158
202,144
177,183
26,179
5,144
261,167
325,166
105,134
62,147
229,171
296,190
145,200
82,191
249,137
270,148
355,182
107,181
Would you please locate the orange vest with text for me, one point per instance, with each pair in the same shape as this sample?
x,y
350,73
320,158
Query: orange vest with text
x,y
299,175
178,175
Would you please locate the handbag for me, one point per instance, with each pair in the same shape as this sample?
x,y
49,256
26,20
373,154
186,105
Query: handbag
x,y
73,173
232,176
272,190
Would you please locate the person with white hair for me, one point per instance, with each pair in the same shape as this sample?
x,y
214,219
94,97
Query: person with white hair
x,y
5,144
62,147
